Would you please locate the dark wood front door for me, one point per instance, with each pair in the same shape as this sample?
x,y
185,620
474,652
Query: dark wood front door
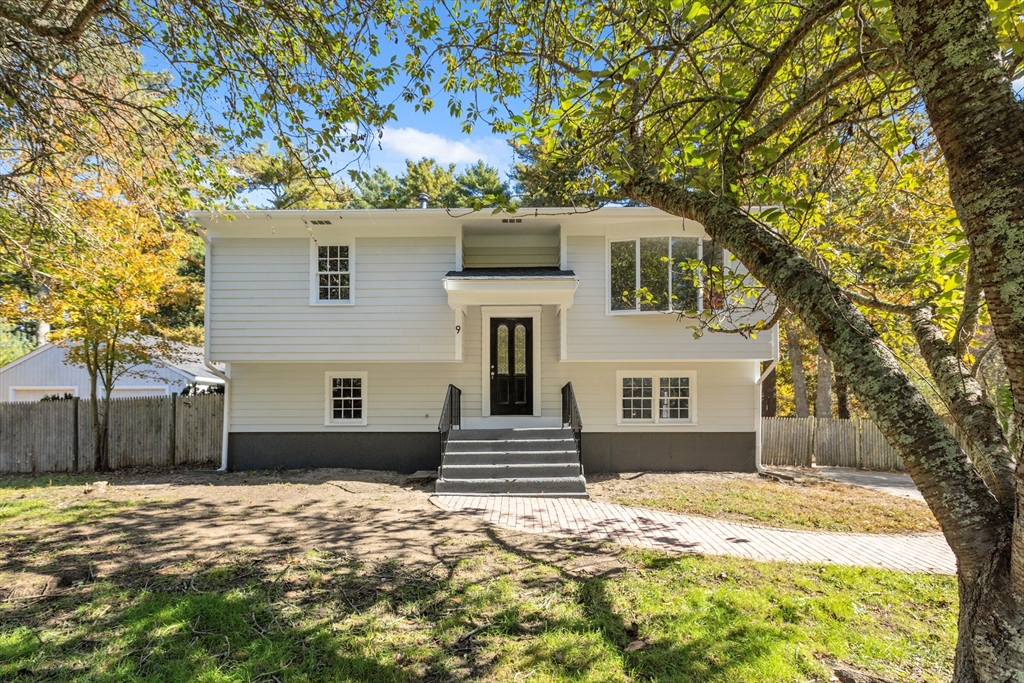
x,y
511,366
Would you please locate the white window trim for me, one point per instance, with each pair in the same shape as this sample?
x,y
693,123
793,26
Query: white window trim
x,y
314,285
52,391
636,239
656,376
329,420
488,312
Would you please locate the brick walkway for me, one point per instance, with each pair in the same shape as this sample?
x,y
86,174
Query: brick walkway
x,y
576,518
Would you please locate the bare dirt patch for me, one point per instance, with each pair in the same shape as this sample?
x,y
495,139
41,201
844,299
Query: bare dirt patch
x,y
149,520
804,504
355,575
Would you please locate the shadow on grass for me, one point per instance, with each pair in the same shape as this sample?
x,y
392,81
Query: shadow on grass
x,y
196,589
728,639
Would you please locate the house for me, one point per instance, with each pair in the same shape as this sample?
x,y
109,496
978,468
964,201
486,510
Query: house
x,y
45,371
341,332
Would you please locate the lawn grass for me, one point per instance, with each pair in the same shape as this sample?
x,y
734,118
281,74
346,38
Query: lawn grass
x,y
488,606
805,505
58,499
499,615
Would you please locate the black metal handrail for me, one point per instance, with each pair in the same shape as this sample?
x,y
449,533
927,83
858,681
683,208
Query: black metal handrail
x,y
451,416
571,418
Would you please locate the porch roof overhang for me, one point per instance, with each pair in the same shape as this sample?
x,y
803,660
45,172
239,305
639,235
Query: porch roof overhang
x,y
510,287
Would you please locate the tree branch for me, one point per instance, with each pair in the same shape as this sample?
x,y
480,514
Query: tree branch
x,y
967,404
34,22
877,304
972,519
778,58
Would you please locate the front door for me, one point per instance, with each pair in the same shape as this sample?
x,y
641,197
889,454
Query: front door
x,y
511,366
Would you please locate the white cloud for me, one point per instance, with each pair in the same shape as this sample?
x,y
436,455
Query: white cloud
x,y
411,143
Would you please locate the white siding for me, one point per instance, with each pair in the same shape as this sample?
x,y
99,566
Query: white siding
x,y
501,251
259,298
47,369
408,397
593,334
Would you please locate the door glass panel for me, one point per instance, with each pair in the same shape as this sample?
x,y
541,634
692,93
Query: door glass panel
x,y
502,349
520,349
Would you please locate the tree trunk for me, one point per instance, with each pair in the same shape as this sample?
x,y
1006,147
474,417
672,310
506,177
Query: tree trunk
x,y
823,395
842,398
100,426
769,394
952,52
796,362
972,520
989,646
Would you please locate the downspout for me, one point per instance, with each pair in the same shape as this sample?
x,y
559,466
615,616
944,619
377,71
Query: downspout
x,y
758,420
206,355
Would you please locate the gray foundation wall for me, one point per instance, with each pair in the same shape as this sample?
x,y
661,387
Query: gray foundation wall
x,y
412,451
396,451
668,451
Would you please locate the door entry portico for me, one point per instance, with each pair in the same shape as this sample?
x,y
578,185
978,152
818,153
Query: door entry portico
x,y
511,366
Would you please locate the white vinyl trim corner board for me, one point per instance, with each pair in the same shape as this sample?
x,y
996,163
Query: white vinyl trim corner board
x,y
314,285
50,391
656,376
329,420
488,312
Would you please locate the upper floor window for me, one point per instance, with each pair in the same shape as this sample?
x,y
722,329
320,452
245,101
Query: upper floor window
x,y
663,274
332,281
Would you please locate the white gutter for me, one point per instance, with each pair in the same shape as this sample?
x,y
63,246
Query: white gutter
x,y
206,356
757,411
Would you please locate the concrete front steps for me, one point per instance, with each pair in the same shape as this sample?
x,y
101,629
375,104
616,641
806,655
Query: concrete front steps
x,y
511,462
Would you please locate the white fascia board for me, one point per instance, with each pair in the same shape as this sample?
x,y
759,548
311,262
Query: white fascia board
x,y
426,222
464,292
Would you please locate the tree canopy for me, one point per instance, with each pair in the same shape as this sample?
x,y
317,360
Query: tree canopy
x,y
765,121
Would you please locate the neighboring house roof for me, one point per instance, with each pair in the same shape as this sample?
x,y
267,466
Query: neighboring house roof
x,y
189,360
186,360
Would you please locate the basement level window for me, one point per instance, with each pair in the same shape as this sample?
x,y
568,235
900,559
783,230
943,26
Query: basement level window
x,y
346,399
648,398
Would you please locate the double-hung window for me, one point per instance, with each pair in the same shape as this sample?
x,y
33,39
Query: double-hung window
x,y
332,275
663,274
655,398
346,399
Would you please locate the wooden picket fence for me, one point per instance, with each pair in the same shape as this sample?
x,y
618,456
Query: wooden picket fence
x,y
807,441
57,436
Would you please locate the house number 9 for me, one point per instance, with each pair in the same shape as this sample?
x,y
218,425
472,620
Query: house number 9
x,y
458,328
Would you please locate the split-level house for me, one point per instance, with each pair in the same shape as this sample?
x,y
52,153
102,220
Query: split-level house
x,y
351,338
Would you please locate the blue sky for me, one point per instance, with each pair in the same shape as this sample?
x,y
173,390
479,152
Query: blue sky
x,y
414,135
437,135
